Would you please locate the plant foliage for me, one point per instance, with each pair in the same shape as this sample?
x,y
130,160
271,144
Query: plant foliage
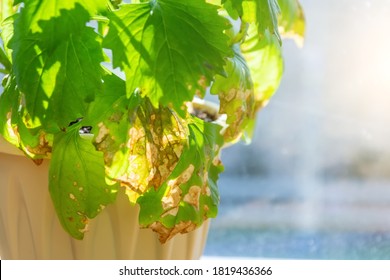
x,y
128,72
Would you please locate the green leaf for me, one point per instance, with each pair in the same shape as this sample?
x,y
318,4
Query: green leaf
x,y
9,110
109,100
236,95
40,11
56,61
77,183
170,50
292,20
234,8
6,31
265,61
141,144
6,9
263,13
190,194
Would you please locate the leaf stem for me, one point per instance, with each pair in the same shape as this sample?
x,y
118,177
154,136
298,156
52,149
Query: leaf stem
x,y
100,18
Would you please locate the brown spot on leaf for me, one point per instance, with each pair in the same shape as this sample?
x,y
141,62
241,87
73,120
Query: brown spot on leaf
x,y
206,190
42,150
203,82
102,132
171,200
237,112
155,140
38,161
165,234
183,177
193,195
85,222
217,160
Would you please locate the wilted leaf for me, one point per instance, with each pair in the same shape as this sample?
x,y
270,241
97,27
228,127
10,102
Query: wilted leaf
x,y
77,182
190,194
169,49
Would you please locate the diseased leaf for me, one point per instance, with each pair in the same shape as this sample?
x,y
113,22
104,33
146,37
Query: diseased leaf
x,y
236,95
56,60
141,144
190,194
292,20
77,183
170,50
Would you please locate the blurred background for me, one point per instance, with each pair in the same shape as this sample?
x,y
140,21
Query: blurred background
x,y
315,182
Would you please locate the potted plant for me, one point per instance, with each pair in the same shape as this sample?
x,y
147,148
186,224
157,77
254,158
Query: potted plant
x,y
109,144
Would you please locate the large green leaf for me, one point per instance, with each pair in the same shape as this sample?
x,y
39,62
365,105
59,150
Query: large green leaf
x,y
169,49
77,183
56,60
236,95
141,144
190,194
292,20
